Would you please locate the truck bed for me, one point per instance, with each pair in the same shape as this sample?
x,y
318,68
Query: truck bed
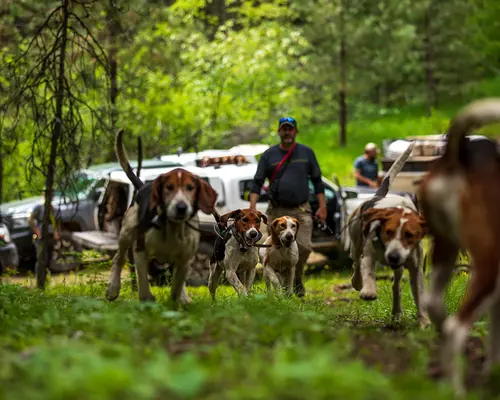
x,y
97,240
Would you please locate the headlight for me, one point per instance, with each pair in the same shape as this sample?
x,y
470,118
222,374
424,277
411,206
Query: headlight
x,y
4,234
20,221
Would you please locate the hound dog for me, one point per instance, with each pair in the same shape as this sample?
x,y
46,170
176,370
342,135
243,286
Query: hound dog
x,y
460,199
235,253
279,260
174,198
388,230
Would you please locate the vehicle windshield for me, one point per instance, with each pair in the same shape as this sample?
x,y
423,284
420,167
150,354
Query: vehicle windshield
x,y
79,187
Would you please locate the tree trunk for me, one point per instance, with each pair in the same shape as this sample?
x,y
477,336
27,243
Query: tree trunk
x,y
113,31
43,261
429,71
343,80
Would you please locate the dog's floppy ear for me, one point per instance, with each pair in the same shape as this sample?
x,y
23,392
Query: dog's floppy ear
x,y
156,198
274,224
207,197
263,216
235,214
371,215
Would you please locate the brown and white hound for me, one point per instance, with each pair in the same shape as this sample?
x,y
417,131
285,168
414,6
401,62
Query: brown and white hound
x,y
460,198
174,198
279,260
235,253
388,230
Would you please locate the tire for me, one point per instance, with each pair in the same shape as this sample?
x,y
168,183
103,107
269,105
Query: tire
x,y
66,255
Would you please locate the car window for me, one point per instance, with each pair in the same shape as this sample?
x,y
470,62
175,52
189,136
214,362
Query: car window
x,y
245,187
329,192
217,185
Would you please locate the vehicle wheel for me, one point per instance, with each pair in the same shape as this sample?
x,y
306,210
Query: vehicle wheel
x,y
199,271
66,255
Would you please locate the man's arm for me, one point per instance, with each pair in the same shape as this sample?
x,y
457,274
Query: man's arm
x,y
258,181
33,222
359,177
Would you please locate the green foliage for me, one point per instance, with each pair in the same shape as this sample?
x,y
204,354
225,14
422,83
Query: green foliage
x,y
69,342
204,74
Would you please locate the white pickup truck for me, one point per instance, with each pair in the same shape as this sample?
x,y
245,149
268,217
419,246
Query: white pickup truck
x,y
232,184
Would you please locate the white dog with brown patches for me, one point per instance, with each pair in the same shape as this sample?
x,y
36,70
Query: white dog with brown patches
x,y
175,198
235,253
388,230
460,199
280,259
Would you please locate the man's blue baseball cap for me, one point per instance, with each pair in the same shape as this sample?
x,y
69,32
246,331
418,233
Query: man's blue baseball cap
x,y
287,121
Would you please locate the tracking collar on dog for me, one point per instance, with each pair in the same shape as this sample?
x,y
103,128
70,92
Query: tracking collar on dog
x,y
242,241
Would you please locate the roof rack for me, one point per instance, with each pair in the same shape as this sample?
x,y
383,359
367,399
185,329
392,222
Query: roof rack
x,y
217,162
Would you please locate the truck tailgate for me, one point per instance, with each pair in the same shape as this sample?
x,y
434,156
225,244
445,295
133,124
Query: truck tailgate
x,y
97,240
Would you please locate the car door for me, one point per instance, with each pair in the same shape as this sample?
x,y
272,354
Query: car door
x,y
331,229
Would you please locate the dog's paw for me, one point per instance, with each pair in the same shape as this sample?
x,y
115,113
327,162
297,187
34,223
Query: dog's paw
x,y
357,282
367,294
185,300
112,291
148,297
424,322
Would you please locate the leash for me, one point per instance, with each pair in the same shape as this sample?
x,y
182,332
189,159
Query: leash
x,y
322,225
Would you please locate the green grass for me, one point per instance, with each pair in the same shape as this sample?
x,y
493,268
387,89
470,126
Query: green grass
x,y
70,343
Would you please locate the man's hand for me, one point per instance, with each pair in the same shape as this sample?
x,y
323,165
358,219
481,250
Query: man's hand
x,y
373,184
57,236
38,233
321,213
253,201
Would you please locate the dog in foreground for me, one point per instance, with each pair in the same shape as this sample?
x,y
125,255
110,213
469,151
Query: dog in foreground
x,y
388,230
235,252
279,260
174,198
460,198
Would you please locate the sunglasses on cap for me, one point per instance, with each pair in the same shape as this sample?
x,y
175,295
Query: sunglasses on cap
x,y
287,121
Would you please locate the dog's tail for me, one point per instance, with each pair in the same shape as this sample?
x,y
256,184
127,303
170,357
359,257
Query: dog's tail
x,y
473,116
395,169
124,162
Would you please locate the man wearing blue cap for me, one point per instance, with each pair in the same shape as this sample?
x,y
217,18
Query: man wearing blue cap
x,y
289,166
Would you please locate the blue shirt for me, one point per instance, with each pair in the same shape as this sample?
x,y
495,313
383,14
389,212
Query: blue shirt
x,y
367,168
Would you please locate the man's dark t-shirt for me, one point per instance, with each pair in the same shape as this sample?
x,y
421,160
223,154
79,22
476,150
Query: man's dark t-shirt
x,y
367,168
290,187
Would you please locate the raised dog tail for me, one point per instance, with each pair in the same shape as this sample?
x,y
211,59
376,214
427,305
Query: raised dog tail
x,y
395,169
121,154
473,116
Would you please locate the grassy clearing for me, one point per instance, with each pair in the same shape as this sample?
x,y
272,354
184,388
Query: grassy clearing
x,y
70,343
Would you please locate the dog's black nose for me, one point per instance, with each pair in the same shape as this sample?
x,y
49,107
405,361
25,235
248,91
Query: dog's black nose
x,y
393,258
181,208
289,236
253,234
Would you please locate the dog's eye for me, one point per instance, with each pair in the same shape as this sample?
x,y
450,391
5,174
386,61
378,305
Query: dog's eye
x,y
257,221
389,232
408,235
189,187
283,225
293,226
245,220
170,187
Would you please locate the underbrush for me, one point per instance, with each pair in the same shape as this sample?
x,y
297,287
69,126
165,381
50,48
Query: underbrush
x,y
71,343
